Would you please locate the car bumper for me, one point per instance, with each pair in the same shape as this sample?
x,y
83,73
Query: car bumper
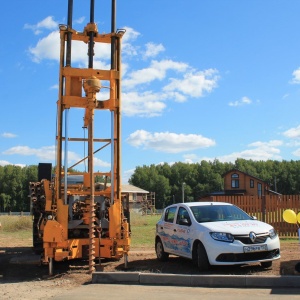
x,y
222,253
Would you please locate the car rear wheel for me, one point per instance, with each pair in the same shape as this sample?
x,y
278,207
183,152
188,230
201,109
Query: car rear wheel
x,y
266,264
160,252
200,257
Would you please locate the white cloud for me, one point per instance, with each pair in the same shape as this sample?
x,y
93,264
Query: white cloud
x,y
151,104
47,153
47,23
296,152
128,49
266,145
168,142
130,35
145,104
44,153
190,158
156,71
243,101
260,151
293,133
79,20
140,102
296,77
126,175
4,163
100,163
8,135
194,84
54,87
153,49
46,48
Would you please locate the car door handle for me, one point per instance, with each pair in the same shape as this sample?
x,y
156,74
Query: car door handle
x,y
174,230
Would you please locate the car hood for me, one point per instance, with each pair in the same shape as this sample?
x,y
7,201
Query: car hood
x,y
238,226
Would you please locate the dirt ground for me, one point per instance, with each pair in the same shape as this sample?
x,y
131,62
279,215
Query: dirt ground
x,y
21,277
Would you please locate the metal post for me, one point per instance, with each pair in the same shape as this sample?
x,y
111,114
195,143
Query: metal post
x,y
113,30
66,157
183,184
91,35
69,34
112,159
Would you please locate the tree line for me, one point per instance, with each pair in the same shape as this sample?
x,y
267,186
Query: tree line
x,y
167,181
171,182
14,187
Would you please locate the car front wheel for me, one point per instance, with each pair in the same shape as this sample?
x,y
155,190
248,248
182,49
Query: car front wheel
x,y
160,252
200,257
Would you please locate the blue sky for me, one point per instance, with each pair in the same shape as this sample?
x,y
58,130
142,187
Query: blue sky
x,y
202,79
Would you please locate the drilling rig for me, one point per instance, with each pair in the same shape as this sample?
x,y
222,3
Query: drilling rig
x,y
82,218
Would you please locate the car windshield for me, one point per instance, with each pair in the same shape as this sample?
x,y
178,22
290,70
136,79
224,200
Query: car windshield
x,y
215,213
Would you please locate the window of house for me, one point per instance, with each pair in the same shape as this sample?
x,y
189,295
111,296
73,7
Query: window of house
x,y
134,196
259,189
251,183
235,183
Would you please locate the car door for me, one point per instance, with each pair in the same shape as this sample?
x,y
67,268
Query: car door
x,y
182,233
166,229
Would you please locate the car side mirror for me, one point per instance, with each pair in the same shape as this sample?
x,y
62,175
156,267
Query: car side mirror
x,y
185,222
254,217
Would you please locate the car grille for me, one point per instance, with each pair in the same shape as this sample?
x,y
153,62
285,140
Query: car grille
x,y
243,257
245,239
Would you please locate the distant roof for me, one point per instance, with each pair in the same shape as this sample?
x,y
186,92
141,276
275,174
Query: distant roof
x,y
125,188
128,188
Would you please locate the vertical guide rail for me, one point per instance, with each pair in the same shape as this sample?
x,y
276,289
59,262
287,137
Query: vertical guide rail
x,y
66,157
68,64
91,36
113,96
69,34
91,152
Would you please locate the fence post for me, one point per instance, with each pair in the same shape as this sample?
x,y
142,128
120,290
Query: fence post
x,y
263,208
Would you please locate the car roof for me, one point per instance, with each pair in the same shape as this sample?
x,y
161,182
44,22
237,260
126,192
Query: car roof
x,y
190,204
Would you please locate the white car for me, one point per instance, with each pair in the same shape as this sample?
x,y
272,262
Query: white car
x,y
215,233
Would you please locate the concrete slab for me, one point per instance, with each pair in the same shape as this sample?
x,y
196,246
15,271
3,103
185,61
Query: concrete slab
x,y
229,281
273,281
165,279
218,281
115,277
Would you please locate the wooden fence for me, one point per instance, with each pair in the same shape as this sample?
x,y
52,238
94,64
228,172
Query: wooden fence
x,y
269,209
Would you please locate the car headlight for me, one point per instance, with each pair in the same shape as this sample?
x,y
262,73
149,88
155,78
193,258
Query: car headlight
x,y
222,236
272,233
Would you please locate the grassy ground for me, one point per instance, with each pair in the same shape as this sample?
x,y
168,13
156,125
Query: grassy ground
x,y
143,230
17,229
20,228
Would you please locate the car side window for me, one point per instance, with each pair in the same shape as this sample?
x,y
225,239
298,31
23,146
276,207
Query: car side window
x,y
170,215
183,217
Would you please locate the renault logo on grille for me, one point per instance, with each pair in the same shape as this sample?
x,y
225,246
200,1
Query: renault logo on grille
x,y
252,236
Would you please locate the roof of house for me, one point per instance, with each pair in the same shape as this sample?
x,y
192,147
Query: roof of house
x,y
128,188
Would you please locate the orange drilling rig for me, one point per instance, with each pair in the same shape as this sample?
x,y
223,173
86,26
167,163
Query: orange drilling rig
x,y
73,215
